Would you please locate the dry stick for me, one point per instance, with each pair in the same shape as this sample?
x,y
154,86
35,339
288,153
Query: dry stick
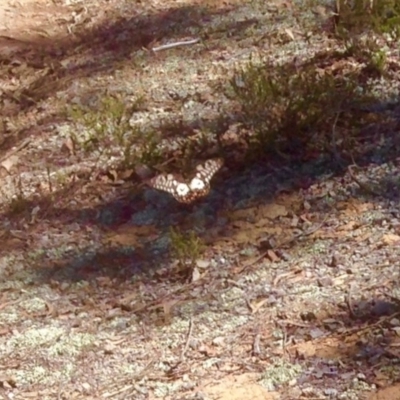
x,y
176,44
9,303
189,335
362,185
284,341
285,242
118,391
335,151
136,377
349,301
16,150
393,298
294,323
256,345
337,157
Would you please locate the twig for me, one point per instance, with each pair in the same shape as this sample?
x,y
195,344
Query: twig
x,y
334,145
362,185
9,303
189,335
136,377
306,233
176,44
118,391
284,341
294,323
349,302
16,150
256,345
290,240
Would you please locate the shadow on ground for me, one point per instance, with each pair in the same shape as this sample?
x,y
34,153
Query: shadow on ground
x,y
143,218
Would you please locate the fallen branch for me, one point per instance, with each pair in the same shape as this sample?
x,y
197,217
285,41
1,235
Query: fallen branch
x,y
176,44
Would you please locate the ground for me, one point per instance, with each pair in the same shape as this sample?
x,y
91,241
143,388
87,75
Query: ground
x,y
293,293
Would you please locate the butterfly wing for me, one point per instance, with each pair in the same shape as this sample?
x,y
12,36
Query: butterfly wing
x,y
206,171
198,187
200,184
170,184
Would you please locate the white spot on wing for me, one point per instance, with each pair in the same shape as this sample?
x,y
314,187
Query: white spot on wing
x,y
198,187
196,184
182,189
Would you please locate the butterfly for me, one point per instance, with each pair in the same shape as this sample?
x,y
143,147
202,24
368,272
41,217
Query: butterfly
x,y
188,192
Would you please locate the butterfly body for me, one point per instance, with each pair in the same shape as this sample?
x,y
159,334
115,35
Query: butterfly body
x,y
197,187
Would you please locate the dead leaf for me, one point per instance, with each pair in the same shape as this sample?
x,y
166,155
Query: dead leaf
x,y
124,239
113,174
350,226
202,264
363,237
304,218
195,275
387,393
8,382
390,239
257,305
289,33
241,214
9,162
245,237
167,307
272,211
238,387
295,221
126,174
208,350
104,281
69,145
141,230
272,256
